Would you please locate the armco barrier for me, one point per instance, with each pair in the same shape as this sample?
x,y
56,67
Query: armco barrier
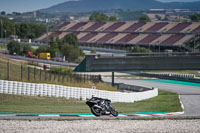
x,y
32,89
179,77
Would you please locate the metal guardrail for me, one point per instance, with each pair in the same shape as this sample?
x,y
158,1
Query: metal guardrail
x,y
183,77
70,64
23,42
163,54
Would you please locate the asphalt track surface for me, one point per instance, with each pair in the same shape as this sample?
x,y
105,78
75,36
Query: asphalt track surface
x,y
42,61
189,95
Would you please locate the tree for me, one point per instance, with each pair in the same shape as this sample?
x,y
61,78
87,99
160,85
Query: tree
x,y
93,51
127,15
71,53
158,17
53,43
144,18
14,47
59,43
68,47
37,30
25,49
29,31
42,49
23,30
98,17
17,29
8,27
179,20
71,39
195,17
3,13
17,48
138,49
53,49
113,18
166,17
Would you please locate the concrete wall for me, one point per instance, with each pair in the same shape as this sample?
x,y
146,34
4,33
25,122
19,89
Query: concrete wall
x,y
129,63
32,89
124,87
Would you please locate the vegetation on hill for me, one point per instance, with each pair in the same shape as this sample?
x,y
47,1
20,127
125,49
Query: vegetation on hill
x,y
22,30
144,18
96,5
101,17
138,49
127,15
68,47
63,70
71,39
16,48
195,17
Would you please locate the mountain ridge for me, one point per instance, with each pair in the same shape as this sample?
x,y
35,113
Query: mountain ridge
x,y
95,5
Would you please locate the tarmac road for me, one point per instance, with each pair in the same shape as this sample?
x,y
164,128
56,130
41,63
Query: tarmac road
x,y
41,61
189,95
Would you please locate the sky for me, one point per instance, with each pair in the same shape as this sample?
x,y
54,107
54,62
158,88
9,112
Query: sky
x,y
32,5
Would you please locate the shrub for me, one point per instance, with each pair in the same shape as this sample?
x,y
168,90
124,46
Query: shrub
x,y
63,70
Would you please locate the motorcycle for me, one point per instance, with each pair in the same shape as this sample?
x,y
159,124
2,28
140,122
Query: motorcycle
x,y
100,106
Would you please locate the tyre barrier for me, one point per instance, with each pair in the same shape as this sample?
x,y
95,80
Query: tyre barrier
x,y
50,90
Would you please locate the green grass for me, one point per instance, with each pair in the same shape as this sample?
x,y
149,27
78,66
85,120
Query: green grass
x,y
165,102
29,104
3,48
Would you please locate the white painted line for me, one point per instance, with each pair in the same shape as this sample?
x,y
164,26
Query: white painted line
x,y
182,106
6,115
49,115
87,116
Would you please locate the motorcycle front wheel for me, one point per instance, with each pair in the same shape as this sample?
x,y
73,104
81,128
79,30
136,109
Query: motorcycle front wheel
x,y
114,112
96,111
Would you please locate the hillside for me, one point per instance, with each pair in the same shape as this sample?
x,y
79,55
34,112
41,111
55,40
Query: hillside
x,y
95,5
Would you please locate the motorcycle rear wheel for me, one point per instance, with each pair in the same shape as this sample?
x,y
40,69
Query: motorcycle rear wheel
x,y
96,111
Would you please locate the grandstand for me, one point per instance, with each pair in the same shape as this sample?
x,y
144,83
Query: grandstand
x,y
125,34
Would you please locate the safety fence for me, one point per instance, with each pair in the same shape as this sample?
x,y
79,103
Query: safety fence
x,y
17,71
32,89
